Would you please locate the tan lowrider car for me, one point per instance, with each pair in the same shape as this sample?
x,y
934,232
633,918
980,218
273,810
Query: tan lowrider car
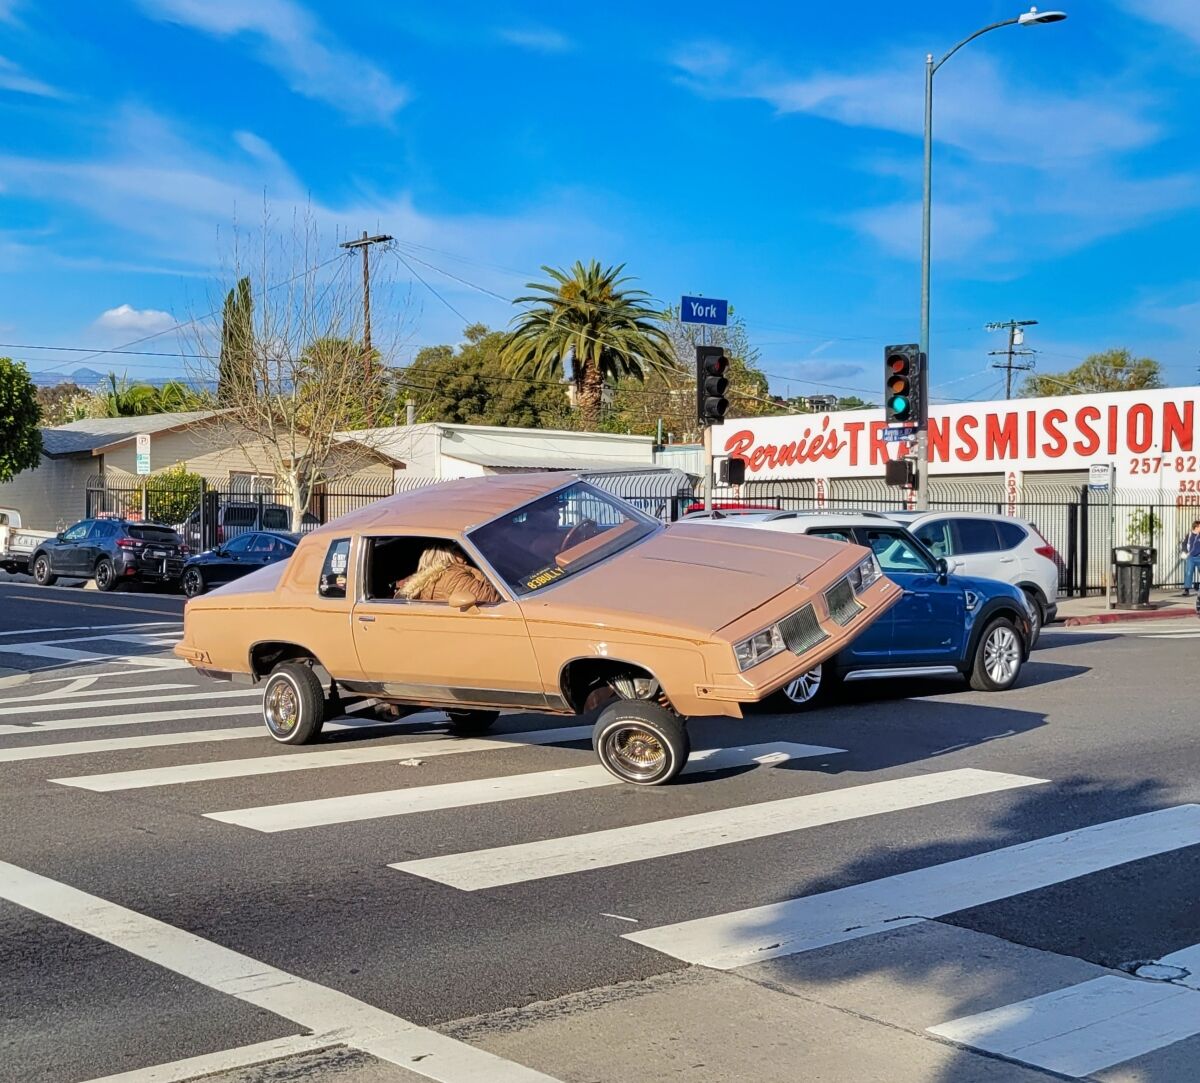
x,y
599,603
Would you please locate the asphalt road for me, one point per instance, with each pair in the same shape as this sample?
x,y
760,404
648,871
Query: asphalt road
x,y
174,885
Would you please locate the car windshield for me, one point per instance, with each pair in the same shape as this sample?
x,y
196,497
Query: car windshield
x,y
559,535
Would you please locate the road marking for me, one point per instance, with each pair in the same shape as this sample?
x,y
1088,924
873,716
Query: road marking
x,y
315,1007
294,815
306,761
1187,959
122,744
103,721
725,941
64,654
1084,1028
87,704
90,628
526,861
245,1056
90,605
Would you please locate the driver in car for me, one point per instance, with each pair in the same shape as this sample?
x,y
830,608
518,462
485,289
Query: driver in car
x,y
443,572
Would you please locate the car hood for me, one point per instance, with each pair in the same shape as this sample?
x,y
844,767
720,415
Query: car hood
x,y
688,579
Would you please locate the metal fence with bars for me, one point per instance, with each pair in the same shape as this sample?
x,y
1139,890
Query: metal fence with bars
x,y
1082,526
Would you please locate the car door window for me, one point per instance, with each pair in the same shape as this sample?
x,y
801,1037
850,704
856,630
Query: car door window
x,y
332,583
77,533
975,536
832,535
239,545
935,537
1011,535
896,553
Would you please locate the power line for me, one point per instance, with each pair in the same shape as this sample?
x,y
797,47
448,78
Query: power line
x,y
1016,337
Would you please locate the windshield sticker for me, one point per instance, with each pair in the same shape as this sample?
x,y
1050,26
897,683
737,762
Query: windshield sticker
x,y
543,576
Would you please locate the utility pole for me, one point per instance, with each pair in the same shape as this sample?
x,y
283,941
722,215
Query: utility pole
x,y
365,243
1016,337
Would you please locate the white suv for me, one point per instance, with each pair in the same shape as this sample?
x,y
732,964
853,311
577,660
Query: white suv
x,y
992,547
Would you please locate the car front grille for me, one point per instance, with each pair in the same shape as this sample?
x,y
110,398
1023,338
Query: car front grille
x,y
801,630
843,606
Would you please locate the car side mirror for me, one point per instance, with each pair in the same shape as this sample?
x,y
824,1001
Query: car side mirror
x,y
59,535
943,569
462,599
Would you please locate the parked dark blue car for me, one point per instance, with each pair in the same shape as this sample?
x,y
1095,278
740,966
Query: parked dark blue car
x,y
235,558
943,626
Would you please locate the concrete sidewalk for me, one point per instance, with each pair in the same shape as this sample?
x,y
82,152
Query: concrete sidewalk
x,y
1166,605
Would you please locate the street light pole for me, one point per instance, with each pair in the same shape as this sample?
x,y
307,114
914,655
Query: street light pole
x,y
1032,17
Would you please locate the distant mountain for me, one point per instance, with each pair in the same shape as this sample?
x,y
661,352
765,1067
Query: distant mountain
x,y
85,378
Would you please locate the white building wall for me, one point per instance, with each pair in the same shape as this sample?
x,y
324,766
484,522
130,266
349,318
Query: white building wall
x,y
54,495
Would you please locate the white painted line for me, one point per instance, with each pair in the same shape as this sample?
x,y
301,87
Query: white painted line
x,y
526,861
1084,1028
64,654
123,744
103,721
1186,959
75,686
372,806
315,1007
92,628
307,761
725,941
191,697
245,1056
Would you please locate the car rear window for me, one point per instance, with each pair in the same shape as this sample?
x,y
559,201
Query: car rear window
x,y
239,516
276,519
154,534
976,536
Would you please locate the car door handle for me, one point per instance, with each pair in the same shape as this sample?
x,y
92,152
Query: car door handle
x,y
1008,560
367,620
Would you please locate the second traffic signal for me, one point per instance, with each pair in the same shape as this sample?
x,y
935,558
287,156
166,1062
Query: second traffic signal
x,y
904,385
711,382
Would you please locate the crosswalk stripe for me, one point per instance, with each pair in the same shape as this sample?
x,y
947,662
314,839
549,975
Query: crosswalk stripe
x,y
227,1060
318,1008
64,654
104,721
122,744
1084,1028
81,687
171,624
237,693
526,861
735,939
294,815
307,761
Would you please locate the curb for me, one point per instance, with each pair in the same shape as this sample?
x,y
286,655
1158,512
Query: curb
x,y
1118,615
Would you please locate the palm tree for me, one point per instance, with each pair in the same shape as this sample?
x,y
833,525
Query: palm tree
x,y
585,317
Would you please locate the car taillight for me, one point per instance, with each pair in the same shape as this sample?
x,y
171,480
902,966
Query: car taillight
x,y
183,549
1045,549
220,533
129,543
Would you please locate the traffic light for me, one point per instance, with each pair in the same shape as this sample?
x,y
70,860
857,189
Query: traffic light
x,y
732,472
904,385
711,366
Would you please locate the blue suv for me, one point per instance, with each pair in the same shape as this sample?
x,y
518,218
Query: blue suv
x,y
943,626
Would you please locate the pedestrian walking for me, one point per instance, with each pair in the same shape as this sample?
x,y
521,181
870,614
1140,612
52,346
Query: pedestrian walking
x,y
1189,549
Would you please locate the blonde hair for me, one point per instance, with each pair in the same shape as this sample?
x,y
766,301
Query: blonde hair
x,y
434,560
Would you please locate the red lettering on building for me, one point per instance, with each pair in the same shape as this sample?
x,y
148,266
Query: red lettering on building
x,y
1083,422
1179,432
1139,428
969,445
939,440
879,449
1031,439
1001,437
1112,430
854,431
1058,442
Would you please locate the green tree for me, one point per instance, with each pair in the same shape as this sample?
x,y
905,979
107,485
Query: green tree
x,y
749,392
237,339
1109,370
853,402
172,494
20,416
118,397
63,403
587,319
471,385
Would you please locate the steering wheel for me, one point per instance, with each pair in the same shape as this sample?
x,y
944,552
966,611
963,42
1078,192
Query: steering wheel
x,y
580,532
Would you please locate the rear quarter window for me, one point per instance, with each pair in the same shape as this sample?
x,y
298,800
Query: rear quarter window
x,y
1011,535
332,583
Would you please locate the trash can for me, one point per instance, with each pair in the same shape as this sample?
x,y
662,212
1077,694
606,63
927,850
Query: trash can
x,y
1133,572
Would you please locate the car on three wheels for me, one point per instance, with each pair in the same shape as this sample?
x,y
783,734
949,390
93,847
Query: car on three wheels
x,y
581,603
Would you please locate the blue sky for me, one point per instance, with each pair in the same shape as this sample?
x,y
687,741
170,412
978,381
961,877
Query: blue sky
x,y
767,153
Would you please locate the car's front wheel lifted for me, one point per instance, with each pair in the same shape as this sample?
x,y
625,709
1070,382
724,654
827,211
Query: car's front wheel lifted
x,y
471,723
640,742
293,704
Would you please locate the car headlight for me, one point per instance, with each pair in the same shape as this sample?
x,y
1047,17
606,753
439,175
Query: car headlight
x,y
865,574
758,648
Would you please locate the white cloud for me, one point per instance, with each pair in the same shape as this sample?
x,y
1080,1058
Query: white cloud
x,y
1182,16
290,40
538,39
14,79
126,319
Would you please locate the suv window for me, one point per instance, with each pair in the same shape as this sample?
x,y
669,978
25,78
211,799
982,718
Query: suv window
x,y
936,538
239,516
333,572
831,534
895,552
975,536
78,532
276,519
1011,535
160,534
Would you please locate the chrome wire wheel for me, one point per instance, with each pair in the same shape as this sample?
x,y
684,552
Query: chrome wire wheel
x,y
636,750
1002,655
804,688
281,708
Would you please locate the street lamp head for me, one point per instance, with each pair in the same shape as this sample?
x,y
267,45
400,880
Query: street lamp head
x,y
1033,17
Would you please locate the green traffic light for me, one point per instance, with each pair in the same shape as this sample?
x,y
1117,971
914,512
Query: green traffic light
x,y
899,404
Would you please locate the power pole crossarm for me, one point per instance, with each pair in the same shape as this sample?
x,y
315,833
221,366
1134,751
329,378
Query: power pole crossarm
x,y
1016,337
365,242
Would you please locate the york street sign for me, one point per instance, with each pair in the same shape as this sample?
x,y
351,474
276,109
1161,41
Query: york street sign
x,y
704,310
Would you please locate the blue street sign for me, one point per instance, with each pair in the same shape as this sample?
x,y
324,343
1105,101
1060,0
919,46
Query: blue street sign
x,y
893,435
704,310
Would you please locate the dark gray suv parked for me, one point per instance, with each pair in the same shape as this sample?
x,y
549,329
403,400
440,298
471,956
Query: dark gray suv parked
x,y
111,551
